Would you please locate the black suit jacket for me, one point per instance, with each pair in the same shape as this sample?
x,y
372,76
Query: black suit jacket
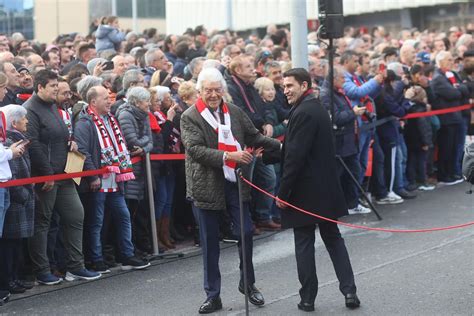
x,y
309,169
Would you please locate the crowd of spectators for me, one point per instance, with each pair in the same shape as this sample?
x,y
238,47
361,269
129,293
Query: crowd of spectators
x,y
113,95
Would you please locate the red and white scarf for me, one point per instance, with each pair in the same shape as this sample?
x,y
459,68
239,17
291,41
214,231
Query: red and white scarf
x,y
226,140
113,155
66,117
451,77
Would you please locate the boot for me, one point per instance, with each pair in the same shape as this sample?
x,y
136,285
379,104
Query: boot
x,y
161,248
165,233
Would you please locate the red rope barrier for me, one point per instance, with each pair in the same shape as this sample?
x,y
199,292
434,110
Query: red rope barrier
x,y
438,112
425,230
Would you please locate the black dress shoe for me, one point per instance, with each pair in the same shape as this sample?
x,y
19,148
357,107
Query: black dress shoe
x,y
307,307
255,296
352,301
211,305
15,288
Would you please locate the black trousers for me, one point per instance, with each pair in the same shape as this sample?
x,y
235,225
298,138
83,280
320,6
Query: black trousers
x,y
10,254
306,263
447,136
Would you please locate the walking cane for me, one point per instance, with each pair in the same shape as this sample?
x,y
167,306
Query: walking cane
x,y
238,173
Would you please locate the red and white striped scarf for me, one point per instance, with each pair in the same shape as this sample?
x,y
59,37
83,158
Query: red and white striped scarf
x,y
113,155
226,140
66,117
451,77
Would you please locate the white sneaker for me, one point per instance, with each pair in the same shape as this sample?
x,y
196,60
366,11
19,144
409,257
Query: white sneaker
x,y
359,210
426,187
389,200
394,196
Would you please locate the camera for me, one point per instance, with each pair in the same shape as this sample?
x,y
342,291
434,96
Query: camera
x,y
370,116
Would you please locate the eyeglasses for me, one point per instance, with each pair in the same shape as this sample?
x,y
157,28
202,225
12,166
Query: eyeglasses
x,y
208,91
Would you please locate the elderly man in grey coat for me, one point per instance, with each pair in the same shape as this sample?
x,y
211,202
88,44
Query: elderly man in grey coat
x,y
215,135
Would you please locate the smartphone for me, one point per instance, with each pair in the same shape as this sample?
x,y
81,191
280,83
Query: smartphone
x,y
381,68
25,143
108,65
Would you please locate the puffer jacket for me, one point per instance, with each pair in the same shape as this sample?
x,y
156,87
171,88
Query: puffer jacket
x,y
136,130
19,218
108,38
205,180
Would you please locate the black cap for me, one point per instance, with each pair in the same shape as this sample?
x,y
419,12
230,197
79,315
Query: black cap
x,y
20,68
468,53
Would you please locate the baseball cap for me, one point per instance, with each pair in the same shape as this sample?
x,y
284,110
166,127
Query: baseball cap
x,y
424,57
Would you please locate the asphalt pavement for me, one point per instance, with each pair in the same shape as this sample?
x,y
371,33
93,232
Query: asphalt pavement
x,y
396,273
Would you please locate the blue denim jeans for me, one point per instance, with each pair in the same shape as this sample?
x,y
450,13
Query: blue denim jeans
x,y
4,205
265,178
115,202
400,165
164,195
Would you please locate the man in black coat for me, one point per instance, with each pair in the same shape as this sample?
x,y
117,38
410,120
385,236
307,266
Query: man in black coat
x,y
309,181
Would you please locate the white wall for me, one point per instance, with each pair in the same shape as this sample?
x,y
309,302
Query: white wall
x,y
181,14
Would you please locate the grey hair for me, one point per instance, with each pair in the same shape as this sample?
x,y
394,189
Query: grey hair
x,y
396,67
210,75
85,84
211,63
356,43
137,94
227,50
93,62
161,91
251,49
130,76
150,55
270,64
13,113
464,39
441,56
214,40
338,71
193,63
313,49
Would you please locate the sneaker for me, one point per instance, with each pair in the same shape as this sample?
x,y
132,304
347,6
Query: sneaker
x,y
100,267
4,297
48,279
404,194
411,187
26,284
14,288
389,199
426,187
359,210
450,181
133,263
82,274
395,196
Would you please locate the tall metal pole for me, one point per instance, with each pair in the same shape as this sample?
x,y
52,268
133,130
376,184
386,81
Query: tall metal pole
x,y
114,7
134,16
238,173
299,34
151,201
229,21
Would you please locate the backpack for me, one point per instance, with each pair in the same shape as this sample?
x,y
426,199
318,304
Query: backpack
x,y
468,163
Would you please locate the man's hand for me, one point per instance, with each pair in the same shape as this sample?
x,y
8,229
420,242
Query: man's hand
x,y
359,110
73,146
98,69
243,157
136,151
47,186
95,185
17,149
379,78
280,204
268,130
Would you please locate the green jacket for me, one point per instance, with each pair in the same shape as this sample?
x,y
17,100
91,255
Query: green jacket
x,y
204,175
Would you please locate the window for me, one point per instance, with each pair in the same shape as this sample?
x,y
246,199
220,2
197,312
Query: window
x,y
145,8
17,16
